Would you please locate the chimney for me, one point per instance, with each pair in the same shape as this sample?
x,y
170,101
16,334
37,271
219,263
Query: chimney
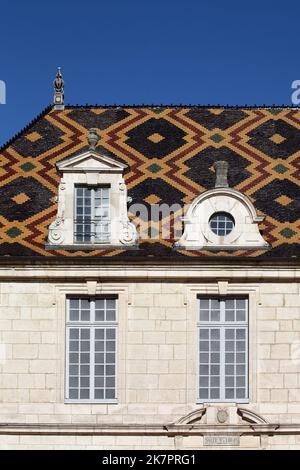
x,y
221,169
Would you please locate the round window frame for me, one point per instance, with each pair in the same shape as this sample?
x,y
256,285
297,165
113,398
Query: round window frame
x,y
228,216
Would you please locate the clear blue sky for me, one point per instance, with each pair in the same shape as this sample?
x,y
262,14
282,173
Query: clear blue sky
x,y
146,51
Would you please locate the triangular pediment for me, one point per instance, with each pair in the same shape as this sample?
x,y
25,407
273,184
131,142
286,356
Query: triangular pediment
x,y
91,161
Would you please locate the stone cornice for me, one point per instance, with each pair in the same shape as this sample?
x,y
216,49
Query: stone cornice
x,y
168,272
159,429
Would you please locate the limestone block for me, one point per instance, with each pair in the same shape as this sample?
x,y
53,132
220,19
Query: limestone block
x,y
280,351
279,395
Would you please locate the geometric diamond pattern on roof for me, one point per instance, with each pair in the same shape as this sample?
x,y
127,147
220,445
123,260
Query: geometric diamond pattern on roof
x,y
87,118
51,136
268,199
141,138
170,154
38,198
200,166
222,120
277,139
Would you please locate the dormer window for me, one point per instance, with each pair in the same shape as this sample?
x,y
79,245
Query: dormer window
x,y
92,214
92,203
221,219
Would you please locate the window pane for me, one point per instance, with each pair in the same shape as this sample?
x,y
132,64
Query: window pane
x,y
105,363
92,350
92,218
222,349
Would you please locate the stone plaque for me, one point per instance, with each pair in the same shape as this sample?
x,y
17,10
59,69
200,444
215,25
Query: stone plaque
x,y
221,440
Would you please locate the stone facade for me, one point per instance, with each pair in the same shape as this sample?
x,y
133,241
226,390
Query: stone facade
x,y
157,369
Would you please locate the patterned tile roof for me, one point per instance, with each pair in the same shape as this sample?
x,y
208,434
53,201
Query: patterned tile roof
x,y
170,152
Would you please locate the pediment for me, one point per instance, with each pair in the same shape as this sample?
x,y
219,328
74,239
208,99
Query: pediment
x,y
91,161
192,418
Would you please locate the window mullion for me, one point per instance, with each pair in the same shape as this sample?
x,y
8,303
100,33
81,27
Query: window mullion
x,y
92,363
222,363
92,357
93,215
68,359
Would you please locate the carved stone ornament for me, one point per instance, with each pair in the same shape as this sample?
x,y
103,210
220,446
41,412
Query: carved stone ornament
x,y
222,416
56,234
58,85
128,233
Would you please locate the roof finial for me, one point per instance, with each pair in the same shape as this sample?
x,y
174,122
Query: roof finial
x,y
58,85
221,169
93,138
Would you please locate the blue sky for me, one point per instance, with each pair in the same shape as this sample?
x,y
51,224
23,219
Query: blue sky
x,y
146,51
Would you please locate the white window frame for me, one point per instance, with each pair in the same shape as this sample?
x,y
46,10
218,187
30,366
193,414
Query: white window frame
x,y
222,325
93,222
92,325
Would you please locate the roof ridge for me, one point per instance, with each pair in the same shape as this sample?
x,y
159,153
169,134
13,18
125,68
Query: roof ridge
x,y
181,105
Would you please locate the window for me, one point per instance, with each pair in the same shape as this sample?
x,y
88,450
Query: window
x,y
223,349
92,214
91,349
221,223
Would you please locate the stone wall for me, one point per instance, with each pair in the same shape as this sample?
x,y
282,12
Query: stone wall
x,y
157,364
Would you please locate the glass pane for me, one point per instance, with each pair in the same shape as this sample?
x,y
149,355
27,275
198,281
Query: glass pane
x,y
204,381
215,334
229,315
99,304
241,393
73,382
110,315
85,333
204,304
204,315
74,333
110,394
74,315
240,315
73,394
204,334
203,393
73,369
84,393
85,315
99,314
215,370
110,304
99,382
240,334
241,304
229,393
110,382
74,303
99,394
215,358
214,393
229,334
74,345
204,345
204,358
99,334
215,381
110,333
215,315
